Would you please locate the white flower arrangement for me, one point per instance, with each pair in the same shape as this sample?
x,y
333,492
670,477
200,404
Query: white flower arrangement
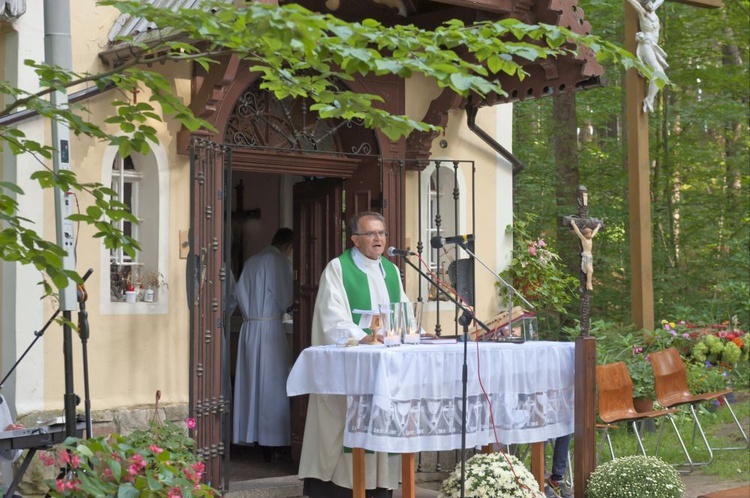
x,y
635,477
492,475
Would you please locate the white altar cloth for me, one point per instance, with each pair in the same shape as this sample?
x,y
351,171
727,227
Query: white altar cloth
x,y
408,399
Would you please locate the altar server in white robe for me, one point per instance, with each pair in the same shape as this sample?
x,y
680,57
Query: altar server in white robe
x,y
359,279
264,293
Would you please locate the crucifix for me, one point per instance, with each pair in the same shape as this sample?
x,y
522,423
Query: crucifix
x,y
641,269
585,229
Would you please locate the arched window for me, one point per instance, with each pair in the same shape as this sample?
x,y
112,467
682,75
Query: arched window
x,y
138,284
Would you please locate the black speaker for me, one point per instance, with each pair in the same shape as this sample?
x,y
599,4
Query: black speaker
x,y
461,275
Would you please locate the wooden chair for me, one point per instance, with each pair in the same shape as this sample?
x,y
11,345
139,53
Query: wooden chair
x,y
670,379
616,404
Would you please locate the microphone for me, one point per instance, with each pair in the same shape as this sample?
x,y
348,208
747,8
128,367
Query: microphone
x,y
437,241
392,251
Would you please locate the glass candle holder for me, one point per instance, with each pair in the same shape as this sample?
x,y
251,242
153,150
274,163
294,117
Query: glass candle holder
x,y
413,328
392,318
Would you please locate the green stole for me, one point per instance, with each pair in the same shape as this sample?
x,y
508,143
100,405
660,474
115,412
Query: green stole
x,y
358,288
358,291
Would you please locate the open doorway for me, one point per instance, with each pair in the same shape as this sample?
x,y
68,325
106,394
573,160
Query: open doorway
x,y
261,204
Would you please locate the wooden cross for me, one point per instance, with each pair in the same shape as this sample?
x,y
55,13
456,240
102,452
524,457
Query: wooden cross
x,y
641,269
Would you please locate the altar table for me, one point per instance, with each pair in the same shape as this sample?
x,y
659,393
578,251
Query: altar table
x,y
407,399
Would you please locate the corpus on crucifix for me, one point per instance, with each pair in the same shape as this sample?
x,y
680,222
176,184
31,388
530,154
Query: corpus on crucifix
x,y
585,228
587,257
648,50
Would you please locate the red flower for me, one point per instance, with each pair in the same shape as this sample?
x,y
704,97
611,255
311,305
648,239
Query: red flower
x,y
47,459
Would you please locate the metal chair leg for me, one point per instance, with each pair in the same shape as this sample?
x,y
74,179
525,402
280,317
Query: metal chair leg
x,y
739,426
699,427
682,445
605,438
658,441
638,437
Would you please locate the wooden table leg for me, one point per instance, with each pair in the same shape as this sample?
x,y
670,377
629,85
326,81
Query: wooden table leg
x,y
358,473
408,488
537,463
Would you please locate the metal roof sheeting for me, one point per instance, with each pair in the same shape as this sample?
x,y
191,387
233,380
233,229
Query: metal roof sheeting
x,y
136,27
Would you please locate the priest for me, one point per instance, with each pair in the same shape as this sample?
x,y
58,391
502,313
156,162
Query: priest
x,y
360,279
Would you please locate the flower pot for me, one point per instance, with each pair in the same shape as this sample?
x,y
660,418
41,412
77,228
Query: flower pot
x,y
643,404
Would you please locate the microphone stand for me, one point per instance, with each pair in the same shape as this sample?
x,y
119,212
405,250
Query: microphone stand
x,y
467,316
83,333
511,290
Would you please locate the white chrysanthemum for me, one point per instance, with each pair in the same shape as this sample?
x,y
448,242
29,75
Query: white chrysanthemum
x,y
637,477
491,475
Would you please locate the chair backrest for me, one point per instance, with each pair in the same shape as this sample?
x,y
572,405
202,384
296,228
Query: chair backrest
x,y
615,392
670,376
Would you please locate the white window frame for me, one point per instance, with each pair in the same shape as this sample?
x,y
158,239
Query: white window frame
x,y
429,230
153,177
133,177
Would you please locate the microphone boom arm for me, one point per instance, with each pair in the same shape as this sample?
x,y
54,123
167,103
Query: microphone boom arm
x,y
466,310
498,277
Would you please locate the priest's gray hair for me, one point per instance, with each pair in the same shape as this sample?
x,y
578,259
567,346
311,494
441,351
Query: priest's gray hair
x,y
354,220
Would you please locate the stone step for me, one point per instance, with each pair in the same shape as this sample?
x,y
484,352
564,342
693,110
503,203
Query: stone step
x,y
291,487
270,487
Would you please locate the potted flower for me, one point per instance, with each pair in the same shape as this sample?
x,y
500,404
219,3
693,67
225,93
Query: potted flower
x,y
151,282
637,476
537,272
491,474
158,462
642,376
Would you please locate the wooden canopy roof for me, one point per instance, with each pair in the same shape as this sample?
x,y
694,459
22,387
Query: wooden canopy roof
x,y
546,77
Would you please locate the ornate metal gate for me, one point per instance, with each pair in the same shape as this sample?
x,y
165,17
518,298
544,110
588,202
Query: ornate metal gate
x,y
210,398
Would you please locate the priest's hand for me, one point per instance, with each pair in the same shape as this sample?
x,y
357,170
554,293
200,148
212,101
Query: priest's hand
x,y
371,339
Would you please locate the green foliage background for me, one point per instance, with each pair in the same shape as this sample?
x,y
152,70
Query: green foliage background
x,y
700,168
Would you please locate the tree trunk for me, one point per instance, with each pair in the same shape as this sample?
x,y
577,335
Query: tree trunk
x,y
566,159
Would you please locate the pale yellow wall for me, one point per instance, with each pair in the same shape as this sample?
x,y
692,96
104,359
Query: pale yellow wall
x,y
130,355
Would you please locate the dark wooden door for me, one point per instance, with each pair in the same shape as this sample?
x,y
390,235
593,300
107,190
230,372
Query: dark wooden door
x,y
318,229
206,277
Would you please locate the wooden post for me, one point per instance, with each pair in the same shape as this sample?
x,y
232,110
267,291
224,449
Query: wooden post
x,y
639,187
408,488
585,414
358,473
641,263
